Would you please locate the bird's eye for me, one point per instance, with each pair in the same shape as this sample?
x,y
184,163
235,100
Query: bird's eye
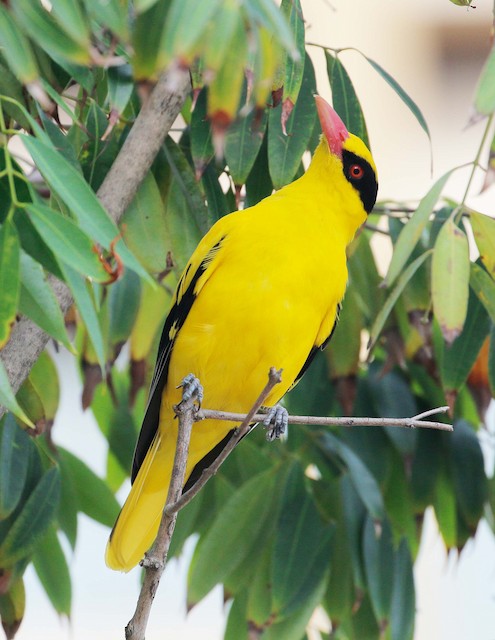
x,y
356,171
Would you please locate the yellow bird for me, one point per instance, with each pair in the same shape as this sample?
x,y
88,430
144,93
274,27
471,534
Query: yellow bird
x,y
262,289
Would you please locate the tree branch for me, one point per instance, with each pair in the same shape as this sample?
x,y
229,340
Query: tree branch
x,y
154,562
133,162
410,423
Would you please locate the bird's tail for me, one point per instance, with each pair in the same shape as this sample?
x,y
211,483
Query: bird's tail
x,y
138,522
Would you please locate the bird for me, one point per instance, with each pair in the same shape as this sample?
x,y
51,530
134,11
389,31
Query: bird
x,y
262,289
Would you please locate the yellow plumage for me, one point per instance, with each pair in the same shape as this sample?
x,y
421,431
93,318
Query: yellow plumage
x,y
262,289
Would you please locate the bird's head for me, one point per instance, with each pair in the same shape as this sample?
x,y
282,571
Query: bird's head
x,y
350,153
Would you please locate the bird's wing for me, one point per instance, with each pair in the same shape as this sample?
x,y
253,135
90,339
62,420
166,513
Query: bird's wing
x,y
194,276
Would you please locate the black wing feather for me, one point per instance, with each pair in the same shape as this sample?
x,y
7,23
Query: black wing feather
x,y
175,320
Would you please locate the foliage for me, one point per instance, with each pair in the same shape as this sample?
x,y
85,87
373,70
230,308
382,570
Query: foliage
x,y
330,517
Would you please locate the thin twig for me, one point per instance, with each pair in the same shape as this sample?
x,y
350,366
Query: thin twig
x,y
155,561
409,423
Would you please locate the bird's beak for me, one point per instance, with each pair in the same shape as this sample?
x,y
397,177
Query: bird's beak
x,y
332,126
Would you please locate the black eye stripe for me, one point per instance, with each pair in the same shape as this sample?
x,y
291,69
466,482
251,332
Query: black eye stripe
x,y
366,185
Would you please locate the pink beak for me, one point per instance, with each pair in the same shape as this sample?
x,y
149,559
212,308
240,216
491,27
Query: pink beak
x,y
332,126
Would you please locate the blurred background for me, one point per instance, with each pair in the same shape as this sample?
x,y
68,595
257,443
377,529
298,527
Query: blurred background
x,y
435,50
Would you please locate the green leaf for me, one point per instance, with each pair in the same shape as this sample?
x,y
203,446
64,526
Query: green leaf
x,y
302,547
183,177
242,144
412,231
147,39
71,18
86,307
293,626
112,14
468,472
345,345
294,66
201,143
354,513
378,555
484,287
403,608
185,26
44,30
16,48
68,508
484,100
484,234
459,357
38,302
389,304
285,152
143,226
425,468
445,507
71,245
123,300
267,13
51,567
491,361
243,516
237,623
33,520
364,483
13,464
408,101
80,198
94,497
344,98
7,397
120,87
450,280
258,182
9,279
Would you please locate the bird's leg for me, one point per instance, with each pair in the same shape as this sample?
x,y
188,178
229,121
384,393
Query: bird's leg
x,y
276,422
191,388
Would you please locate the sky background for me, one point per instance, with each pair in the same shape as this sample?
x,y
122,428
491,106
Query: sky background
x,y
435,50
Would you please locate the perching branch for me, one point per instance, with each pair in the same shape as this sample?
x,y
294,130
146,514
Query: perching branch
x,y
155,561
152,124
410,423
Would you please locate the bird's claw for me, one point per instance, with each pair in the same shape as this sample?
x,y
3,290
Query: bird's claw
x,y
191,388
276,422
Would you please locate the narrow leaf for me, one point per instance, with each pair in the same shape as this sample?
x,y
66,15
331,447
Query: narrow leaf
x,y
450,280
242,144
9,278
285,151
485,93
7,397
243,515
408,101
16,48
86,307
484,234
412,231
94,497
38,302
71,245
80,198
13,464
33,520
379,564
389,304
344,98
302,547
403,607
51,567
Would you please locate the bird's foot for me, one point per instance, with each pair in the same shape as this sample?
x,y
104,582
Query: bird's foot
x,y
191,388
276,422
